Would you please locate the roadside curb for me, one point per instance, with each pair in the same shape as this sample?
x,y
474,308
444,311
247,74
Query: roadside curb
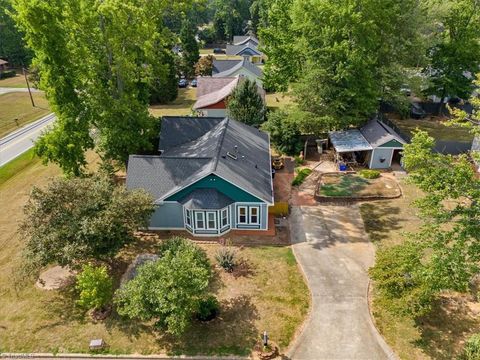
x,y
112,357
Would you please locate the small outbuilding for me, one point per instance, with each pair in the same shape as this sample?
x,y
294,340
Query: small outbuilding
x,y
375,145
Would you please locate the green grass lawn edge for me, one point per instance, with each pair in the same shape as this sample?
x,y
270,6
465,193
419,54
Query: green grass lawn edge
x,y
18,164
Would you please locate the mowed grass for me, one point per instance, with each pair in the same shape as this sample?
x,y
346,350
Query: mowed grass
x,y
182,106
16,110
454,318
266,293
14,82
435,128
17,165
278,100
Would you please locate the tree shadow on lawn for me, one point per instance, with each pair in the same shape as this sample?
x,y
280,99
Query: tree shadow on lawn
x,y
380,219
232,332
442,331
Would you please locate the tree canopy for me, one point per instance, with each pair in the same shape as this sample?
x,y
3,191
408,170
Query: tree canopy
x,y
79,219
245,103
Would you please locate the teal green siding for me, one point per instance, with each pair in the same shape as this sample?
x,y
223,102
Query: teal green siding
x,y
392,144
215,182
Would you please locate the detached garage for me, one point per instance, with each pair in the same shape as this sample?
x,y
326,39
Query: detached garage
x,y
376,145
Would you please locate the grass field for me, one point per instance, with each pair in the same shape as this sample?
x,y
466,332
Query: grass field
x,y
16,110
278,100
454,317
435,128
180,107
17,165
266,293
14,82
353,185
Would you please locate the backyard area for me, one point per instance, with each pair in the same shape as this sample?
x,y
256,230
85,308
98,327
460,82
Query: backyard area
x,y
266,292
352,185
181,106
16,110
454,317
14,82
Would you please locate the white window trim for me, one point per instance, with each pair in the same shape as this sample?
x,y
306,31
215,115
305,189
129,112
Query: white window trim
x,y
196,220
207,213
188,216
224,211
246,215
250,215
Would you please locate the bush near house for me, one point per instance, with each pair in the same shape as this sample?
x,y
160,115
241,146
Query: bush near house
x,y
95,286
369,174
301,176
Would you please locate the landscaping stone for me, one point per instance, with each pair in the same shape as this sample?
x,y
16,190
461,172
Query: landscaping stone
x,y
55,278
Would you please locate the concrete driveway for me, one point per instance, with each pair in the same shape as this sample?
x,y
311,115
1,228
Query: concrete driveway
x,y
333,250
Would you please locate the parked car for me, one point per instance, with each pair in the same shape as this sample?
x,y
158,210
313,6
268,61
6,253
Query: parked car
x,y
182,83
405,90
218,51
193,83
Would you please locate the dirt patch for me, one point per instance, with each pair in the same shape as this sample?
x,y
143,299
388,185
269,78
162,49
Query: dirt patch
x,y
350,186
55,278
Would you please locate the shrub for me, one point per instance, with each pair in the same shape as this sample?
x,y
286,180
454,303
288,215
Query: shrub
x,y
369,174
8,74
471,350
168,290
226,258
95,286
208,308
299,161
301,176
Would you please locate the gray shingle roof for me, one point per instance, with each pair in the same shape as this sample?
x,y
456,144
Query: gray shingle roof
x,y
223,65
254,69
181,165
203,199
377,133
240,40
238,49
3,62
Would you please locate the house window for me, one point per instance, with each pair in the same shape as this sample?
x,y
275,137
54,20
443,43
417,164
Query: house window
x,y
224,217
188,217
211,223
254,219
242,215
199,220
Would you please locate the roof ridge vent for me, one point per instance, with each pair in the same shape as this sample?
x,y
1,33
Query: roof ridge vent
x,y
232,156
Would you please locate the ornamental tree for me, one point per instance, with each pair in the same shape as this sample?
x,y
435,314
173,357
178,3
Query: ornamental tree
x,y
95,286
245,104
75,220
168,290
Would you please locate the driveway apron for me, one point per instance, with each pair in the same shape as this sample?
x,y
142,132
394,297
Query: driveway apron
x,y
332,248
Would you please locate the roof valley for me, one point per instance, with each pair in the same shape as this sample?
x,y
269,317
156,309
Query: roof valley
x,y
220,145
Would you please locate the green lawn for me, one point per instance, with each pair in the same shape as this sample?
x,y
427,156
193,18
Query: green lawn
x,y
14,82
454,317
278,100
266,293
16,110
182,106
435,128
15,166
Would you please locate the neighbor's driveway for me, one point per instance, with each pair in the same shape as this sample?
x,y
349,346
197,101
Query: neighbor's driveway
x,y
333,250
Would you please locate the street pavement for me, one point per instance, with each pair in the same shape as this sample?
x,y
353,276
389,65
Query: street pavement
x,y
21,140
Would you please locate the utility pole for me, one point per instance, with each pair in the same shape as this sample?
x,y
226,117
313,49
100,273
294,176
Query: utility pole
x,y
28,86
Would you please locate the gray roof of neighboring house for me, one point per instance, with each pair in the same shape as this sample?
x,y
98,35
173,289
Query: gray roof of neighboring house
x,y
241,40
378,133
3,62
182,165
204,199
237,49
211,90
223,65
349,140
229,71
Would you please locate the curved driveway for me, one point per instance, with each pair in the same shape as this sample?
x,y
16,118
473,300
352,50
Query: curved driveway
x,y
333,250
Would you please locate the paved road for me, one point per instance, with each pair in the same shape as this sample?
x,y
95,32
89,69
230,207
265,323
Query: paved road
x,y
333,250
23,139
6,90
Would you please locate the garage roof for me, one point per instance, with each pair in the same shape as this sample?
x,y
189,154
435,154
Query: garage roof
x,y
349,140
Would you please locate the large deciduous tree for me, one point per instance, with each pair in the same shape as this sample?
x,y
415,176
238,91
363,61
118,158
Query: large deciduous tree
x,y
95,60
190,51
246,104
80,219
445,253
168,290
12,46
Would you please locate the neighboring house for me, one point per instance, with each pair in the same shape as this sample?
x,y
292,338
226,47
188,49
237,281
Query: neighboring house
x,y
213,175
225,68
213,93
247,47
375,144
3,65
476,152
